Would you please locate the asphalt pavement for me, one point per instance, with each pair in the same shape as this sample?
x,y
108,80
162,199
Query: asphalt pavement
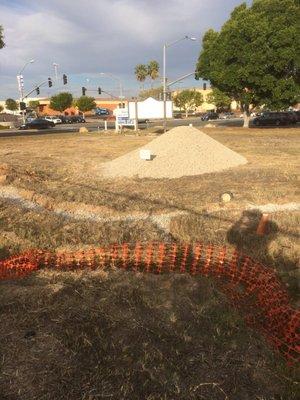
x,y
94,125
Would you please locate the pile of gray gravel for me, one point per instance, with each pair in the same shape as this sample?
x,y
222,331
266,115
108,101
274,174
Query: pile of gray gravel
x,y
182,151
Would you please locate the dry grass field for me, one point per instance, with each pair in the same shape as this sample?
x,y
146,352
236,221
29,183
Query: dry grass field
x,y
129,336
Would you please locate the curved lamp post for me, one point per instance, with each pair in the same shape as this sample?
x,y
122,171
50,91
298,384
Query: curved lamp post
x,y
117,79
166,45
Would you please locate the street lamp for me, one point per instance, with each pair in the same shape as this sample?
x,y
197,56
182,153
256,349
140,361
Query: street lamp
x,y
164,74
20,78
116,78
20,81
25,65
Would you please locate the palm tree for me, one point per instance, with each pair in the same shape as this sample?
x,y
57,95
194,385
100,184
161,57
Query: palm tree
x,y
153,70
2,44
141,72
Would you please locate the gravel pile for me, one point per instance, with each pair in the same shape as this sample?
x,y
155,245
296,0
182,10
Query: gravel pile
x,y
182,151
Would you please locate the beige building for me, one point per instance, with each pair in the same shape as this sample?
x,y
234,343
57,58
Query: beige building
x,y
205,106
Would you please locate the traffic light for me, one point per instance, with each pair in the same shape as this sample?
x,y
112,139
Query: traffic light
x,y
22,105
83,91
37,90
99,90
204,86
49,82
65,79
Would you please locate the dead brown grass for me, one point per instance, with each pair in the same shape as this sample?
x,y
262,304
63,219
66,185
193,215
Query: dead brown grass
x,y
84,336
55,169
124,336
64,167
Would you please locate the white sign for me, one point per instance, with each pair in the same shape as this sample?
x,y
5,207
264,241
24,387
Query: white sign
x,y
125,121
122,112
150,109
122,117
145,154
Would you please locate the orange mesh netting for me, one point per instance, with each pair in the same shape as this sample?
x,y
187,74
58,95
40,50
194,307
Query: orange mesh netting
x,y
250,286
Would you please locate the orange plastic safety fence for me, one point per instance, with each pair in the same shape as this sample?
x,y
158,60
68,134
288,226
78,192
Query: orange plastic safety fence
x,y
250,286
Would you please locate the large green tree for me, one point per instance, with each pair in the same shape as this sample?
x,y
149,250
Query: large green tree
x,y
11,104
188,100
2,44
219,99
85,103
61,101
255,56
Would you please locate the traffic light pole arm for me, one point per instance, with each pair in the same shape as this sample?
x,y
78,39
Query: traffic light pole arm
x,y
37,86
111,95
103,91
180,79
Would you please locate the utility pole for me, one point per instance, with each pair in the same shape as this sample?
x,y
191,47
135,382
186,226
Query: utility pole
x,y
165,88
136,120
20,81
165,78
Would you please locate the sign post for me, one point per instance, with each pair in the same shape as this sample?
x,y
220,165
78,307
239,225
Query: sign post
x,y
136,119
122,118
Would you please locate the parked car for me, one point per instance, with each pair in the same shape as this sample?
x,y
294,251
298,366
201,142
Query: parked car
x,y
210,115
101,111
38,123
227,115
252,114
64,119
30,119
72,119
53,119
292,116
177,115
77,118
273,118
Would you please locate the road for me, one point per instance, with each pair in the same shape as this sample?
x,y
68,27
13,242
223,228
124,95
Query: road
x,y
99,125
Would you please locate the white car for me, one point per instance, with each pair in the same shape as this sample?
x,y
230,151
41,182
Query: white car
x,y
53,119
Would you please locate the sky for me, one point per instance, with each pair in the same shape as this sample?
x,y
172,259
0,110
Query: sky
x,y
92,36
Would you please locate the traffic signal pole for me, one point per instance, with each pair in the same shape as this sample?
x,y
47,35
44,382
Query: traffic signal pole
x,y
49,81
102,91
36,87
